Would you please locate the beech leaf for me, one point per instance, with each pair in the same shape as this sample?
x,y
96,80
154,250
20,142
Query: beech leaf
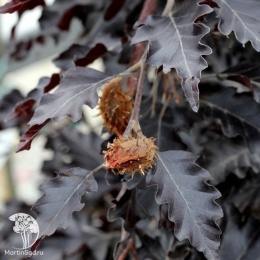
x,y
242,17
241,239
247,74
27,138
235,157
246,197
25,107
79,55
20,6
182,185
174,42
77,87
238,113
61,196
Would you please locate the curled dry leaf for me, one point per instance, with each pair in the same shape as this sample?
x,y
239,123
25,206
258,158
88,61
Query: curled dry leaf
x,y
131,155
115,107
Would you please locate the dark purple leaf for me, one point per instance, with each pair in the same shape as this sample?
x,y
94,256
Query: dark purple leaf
x,y
77,87
191,200
241,240
211,3
235,157
238,113
60,14
164,130
27,138
242,17
7,103
247,74
174,42
21,49
20,6
113,9
81,149
79,55
246,197
33,98
65,20
125,208
61,197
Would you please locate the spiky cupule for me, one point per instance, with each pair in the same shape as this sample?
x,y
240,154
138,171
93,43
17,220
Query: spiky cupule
x,y
131,154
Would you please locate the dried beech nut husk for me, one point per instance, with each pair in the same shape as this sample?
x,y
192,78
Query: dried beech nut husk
x,y
131,155
115,107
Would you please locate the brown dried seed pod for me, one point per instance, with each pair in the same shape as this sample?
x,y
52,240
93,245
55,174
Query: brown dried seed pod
x,y
131,155
115,107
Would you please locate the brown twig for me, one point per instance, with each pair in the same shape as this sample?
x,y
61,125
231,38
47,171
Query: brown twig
x,y
130,248
139,48
154,93
163,110
173,89
133,122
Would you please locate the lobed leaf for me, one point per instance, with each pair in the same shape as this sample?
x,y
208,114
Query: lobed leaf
x,y
61,196
235,157
192,207
79,55
246,197
81,149
174,42
113,8
238,113
7,102
20,6
27,138
241,239
77,87
242,17
247,74
25,107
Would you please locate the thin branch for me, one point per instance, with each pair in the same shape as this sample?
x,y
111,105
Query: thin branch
x,y
129,248
133,68
173,90
133,122
166,104
154,93
139,48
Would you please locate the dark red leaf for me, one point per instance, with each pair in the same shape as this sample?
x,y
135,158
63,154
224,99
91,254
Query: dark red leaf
x,y
211,3
246,74
65,20
97,51
20,6
25,108
30,5
27,138
113,9
79,55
